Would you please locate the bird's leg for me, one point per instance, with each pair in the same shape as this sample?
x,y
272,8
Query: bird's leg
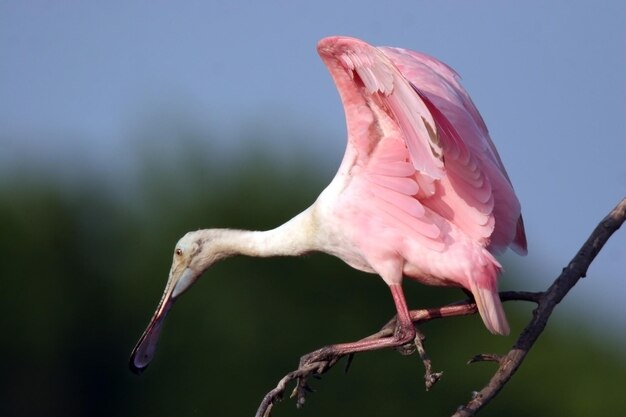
x,y
404,333
323,359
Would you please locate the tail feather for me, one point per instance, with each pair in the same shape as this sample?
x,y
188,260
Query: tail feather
x,y
490,308
484,287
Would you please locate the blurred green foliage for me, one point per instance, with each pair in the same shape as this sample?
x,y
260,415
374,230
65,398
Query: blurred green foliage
x,y
83,267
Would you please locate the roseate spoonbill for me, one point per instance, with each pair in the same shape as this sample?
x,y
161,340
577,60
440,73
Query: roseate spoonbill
x,y
421,192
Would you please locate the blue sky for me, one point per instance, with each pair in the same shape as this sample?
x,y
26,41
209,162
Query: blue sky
x,y
76,77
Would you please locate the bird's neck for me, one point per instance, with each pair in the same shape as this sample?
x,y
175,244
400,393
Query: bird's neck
x,y
295,237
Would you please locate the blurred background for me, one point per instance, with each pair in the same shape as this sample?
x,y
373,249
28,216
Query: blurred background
x,y
125,124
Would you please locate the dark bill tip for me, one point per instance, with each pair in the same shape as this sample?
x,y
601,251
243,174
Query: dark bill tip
x,y
141,355
144,350
134,368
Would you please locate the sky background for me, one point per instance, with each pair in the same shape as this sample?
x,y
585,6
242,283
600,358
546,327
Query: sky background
x,y
77,79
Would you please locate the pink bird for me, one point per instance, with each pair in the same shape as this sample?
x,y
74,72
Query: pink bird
x,y
421,193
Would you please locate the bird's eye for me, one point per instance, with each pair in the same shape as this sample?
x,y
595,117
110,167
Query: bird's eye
x,y
178,251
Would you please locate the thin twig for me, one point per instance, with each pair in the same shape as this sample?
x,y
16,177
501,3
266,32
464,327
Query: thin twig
x,y
485,357
430,377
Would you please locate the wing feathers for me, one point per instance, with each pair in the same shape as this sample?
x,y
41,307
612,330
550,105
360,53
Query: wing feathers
x,y
446,166
392,168
419,130
402,185
425,229
380,76
404,202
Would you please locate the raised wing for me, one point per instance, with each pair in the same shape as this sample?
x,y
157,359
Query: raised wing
x,y
350,59
468,149
418,100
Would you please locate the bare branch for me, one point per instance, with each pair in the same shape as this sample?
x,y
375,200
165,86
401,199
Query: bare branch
x,y
576,269
430,377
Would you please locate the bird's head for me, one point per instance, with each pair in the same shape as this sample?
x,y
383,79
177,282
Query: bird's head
x,y
193,254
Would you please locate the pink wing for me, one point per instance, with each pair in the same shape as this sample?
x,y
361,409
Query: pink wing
x,y
463,130
420,162
447,140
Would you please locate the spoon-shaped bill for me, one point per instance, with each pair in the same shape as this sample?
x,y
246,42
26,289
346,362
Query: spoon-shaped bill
x,y
146,346
178,282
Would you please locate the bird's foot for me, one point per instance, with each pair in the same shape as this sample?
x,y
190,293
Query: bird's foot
x,y
313,364
407,349
404,333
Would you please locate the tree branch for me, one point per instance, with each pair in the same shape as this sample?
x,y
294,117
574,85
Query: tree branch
x,y
576,269
508,364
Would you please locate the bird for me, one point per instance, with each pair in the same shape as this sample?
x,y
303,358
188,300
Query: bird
x,y
421,193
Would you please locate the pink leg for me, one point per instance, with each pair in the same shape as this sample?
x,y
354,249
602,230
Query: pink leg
x,y
404,333
321,360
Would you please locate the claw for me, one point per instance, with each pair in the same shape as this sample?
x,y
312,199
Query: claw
x,y
268,412
407,349
302,392
350,358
